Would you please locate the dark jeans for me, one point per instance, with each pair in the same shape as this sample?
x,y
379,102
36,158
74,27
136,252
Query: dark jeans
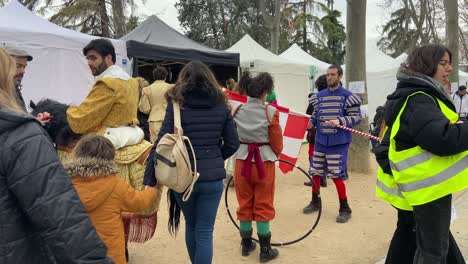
x,y
423,236
200,215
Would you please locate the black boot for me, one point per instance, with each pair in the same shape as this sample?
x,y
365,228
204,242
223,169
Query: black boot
x,y
323,182
313,206
248,245
266,252
345,212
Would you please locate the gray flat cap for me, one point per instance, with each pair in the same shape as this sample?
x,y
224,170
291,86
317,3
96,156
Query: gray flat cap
x,y
17,52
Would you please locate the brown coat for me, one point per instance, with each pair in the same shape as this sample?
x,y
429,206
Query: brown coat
x,y
105,197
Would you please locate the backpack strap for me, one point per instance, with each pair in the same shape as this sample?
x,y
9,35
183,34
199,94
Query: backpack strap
x,y
195,174
177,124
236,110
270,112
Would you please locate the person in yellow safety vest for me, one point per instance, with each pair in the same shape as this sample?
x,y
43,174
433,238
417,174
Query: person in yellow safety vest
x,y
422,159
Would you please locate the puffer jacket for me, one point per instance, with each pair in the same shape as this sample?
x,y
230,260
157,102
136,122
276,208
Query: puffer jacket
x,y
210,128
41,217
105,197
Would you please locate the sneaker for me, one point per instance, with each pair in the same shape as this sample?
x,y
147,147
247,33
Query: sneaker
x,y
312,207
343,217
309,183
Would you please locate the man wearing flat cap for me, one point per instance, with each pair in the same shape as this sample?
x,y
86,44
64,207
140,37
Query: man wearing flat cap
x,y
21,57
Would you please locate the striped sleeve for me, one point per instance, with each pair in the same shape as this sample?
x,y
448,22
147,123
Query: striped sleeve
x,y
314,102
352,111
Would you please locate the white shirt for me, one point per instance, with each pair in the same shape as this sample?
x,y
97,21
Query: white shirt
x,y
461,104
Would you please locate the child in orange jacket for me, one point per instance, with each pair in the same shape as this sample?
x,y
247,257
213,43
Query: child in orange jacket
x,y
103,194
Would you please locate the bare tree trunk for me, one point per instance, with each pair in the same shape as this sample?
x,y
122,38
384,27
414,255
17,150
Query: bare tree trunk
x,y
304,26
451,29
272,22
118,18
104,19
356,71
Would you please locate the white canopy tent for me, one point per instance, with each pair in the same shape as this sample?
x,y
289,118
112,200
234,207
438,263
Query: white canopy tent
x,y
292,84
59,70
298,55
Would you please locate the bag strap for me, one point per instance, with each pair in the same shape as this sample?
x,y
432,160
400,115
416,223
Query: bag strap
x,y
177,124
195,174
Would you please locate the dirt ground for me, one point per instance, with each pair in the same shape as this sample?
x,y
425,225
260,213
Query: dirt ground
x,y
364,239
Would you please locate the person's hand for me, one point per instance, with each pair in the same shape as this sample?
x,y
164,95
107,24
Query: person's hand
x,y
332,123
44,117
310,125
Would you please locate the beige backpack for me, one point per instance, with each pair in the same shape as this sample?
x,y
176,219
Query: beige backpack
x,y
172,164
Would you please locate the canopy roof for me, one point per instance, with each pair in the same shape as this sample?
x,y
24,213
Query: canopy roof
x,y
154,39
296,54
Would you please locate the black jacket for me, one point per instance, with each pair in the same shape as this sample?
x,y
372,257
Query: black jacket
x,y
41,217
210,128
422,122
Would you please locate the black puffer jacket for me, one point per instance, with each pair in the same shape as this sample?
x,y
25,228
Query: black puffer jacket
x,y
41,217
210,128
422,122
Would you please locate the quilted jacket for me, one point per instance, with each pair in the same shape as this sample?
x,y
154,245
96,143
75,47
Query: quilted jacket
x,y
41,217
212,131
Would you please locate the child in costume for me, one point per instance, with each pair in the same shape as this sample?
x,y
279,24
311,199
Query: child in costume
x,y
103,194
261,142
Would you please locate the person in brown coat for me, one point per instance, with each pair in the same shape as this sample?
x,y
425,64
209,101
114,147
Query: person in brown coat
x,y
104,195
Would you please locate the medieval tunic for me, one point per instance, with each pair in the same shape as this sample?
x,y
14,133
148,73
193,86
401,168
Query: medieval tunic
x,y
330,156
112,102
154,103
261,142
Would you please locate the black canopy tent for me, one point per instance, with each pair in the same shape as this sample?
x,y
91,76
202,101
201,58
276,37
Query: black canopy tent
x,y
155,43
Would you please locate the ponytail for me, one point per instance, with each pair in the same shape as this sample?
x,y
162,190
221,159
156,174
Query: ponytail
x,y
174,213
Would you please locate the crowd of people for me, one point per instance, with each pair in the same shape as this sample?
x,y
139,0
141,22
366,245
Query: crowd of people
x,y
56,211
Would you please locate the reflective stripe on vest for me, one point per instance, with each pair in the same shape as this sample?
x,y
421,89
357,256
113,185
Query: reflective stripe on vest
x,y
422,176
388,190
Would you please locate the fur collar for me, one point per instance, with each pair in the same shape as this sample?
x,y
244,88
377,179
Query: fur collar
x,y
90,168
115,72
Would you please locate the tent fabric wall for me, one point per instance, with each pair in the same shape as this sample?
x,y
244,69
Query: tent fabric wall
x,y
292,83
59,70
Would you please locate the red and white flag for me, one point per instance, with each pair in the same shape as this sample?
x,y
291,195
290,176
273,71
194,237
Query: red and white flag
x,y
292,123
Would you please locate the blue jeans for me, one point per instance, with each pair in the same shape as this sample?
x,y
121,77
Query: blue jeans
x,y
200,215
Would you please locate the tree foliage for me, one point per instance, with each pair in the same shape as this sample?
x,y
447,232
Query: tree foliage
x,y
220,24
413,23
107,18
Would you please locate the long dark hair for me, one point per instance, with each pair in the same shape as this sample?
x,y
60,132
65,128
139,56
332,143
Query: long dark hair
x,y
425,59
244,81
174,213
196,77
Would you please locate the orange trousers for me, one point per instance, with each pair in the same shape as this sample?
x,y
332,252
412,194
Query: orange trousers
x,y
255,195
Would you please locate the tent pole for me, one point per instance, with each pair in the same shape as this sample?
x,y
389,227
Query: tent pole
x,y
135,68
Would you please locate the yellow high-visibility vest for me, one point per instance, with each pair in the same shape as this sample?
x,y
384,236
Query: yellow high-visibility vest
x,y
387,189
422,176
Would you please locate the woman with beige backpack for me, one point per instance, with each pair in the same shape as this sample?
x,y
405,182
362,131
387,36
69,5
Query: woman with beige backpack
x,y
206,121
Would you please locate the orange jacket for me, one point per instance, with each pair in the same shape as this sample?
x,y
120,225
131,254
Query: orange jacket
x,y
104,197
